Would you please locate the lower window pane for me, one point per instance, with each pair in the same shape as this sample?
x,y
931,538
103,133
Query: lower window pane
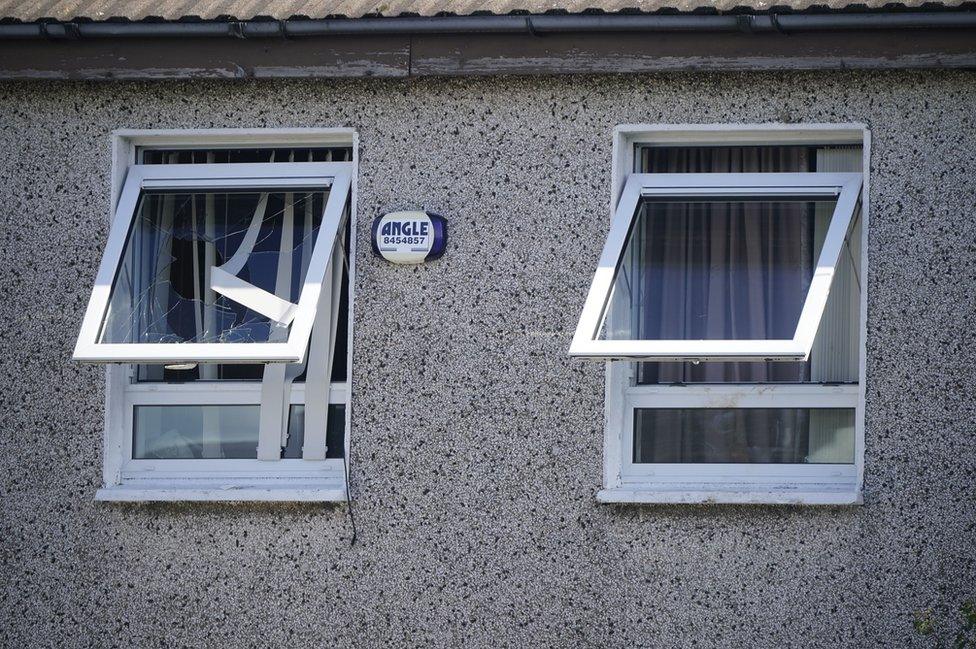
x,y
215,432
195,432
744,435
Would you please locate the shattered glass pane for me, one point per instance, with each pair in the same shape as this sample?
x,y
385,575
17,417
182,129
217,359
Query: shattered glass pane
x,y
161,373
164,291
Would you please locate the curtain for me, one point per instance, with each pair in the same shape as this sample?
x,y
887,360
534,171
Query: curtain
x,y
723,270
713,435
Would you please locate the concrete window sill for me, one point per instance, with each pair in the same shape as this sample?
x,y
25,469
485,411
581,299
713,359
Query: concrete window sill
x,y
238,491
776,497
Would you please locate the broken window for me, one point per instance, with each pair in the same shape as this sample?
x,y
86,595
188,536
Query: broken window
x,y
213,267
224,289
210,263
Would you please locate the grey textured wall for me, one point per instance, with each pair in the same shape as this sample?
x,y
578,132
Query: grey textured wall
x,y
476,442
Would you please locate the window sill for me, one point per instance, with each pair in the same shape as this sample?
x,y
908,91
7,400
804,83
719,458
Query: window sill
x,y
715,497
323,491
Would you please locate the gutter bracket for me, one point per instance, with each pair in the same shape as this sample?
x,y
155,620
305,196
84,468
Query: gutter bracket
x,y
744,23
774,19
235,29
59,31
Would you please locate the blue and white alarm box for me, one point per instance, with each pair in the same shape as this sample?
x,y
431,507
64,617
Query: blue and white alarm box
x,y
409,237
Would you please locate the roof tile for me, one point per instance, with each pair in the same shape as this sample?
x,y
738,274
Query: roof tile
x,y
35,10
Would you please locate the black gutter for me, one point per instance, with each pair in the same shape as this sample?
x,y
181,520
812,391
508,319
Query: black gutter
x,y
532,25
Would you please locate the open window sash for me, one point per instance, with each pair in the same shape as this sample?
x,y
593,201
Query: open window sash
x,y
841,188
289,321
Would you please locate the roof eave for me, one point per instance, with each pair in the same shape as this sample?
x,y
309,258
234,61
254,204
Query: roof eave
x,y
478,45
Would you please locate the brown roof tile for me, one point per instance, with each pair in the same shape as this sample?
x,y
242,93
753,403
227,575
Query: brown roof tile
x,y
31,10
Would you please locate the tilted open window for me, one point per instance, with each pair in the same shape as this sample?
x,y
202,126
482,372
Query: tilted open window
x,y
215,263
675,236
221,308
729,306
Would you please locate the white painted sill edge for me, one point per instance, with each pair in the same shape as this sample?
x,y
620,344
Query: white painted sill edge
x,y
333,491
780,497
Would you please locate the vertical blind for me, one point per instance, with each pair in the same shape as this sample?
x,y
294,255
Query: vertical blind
x,y
224,156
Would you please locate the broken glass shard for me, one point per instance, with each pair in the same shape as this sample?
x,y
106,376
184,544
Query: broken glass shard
x,y
189,255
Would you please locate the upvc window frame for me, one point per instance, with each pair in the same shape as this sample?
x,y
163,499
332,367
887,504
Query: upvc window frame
x,y
334,176
845,187
792,484
214,480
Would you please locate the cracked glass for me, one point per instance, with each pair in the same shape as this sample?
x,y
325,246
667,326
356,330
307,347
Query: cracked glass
x,y
213,266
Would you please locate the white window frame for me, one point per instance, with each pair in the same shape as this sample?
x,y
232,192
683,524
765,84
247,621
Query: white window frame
x,y
285,480
334,176
845,187
809,484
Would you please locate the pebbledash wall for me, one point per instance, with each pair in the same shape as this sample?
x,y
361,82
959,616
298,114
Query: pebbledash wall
x,y
476,441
